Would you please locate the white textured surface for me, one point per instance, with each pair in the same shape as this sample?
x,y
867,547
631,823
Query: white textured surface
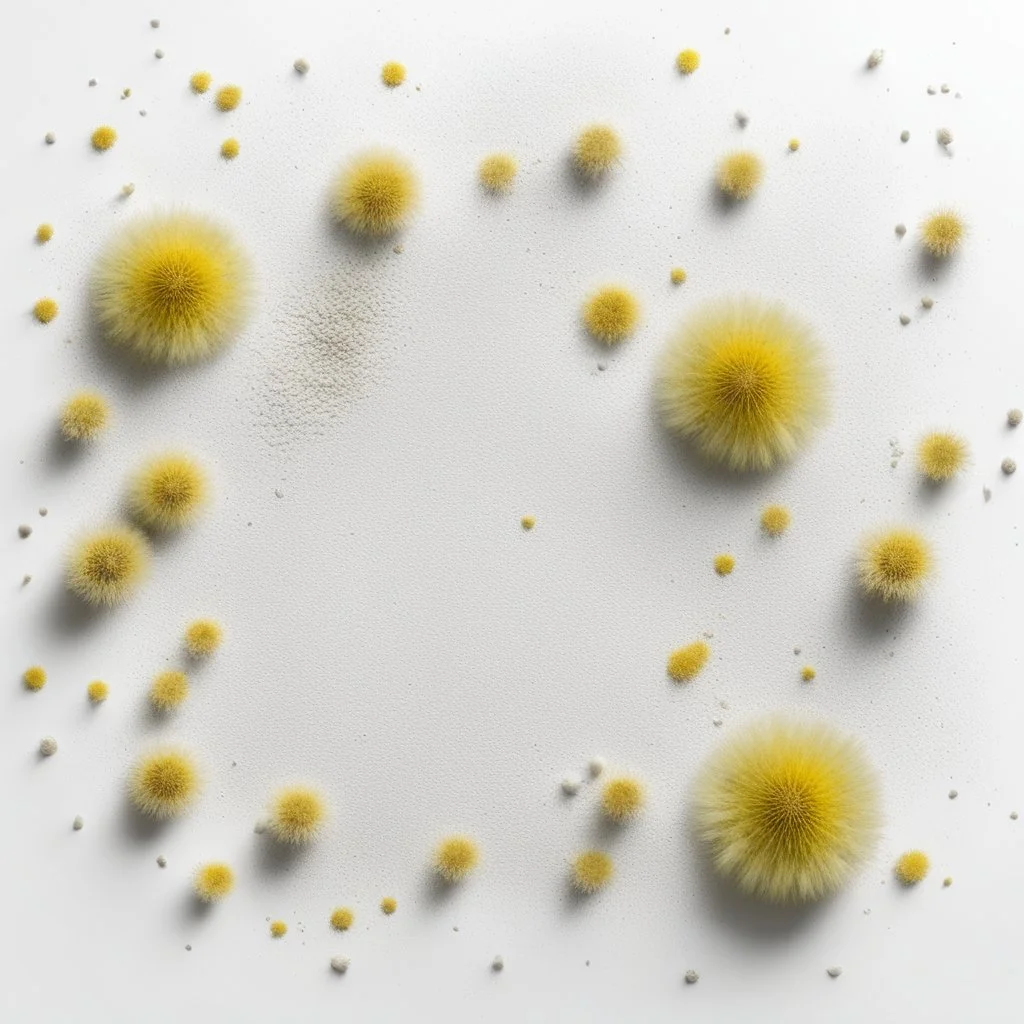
x,y
392,633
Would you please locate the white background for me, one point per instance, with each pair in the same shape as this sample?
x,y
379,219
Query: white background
x,y
392,634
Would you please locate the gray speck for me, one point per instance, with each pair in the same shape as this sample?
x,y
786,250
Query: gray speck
x,y
92,82
904,319
188,946
301,65
43,510
602,366
127,190
24,530
1008,466
158,53
796,650
49,138
904,135
953,794
154,22
691,977
278,493
742,118
26,579
47,746
498,963
1013,815
161,861
716,722
901,230
571,785
875,57
142,113
944,87
834,972
986,493
78,823
943,136
931,90
339,964
927,303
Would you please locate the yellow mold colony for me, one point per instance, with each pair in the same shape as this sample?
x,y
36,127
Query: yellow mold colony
x,y
278,929
297,814
168,491
622,798
375,194
597,149
107,565
34,677
103,138
686,662
455,858
497,172
202,637
739,174
687,62
169,690
592,870
213,881
611,314
388,905
341,919
228,97
894,564
942,233
44,233
164,782
678,275
200,81
940,456
775,520
84,416
724,564
392,74
230,148
912,867
45,310
97,691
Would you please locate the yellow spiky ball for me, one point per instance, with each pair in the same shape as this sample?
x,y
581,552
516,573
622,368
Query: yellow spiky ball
x,y
678,275
388,905
912,867
894,564
164,782
168,491
686,662
808,674
44,233
45,310
341,919
611,314
297,814
622,798
97,691
775,520
34,677
392,74
203,637
200,81
171,288
84,416
739,174
230,148
744,382
278,929
168,690
498,171
107,565
943,232
597,149
687,61
455,858
103,138
787,810
375,194
228,97
213,881
941,455
724,564
591,870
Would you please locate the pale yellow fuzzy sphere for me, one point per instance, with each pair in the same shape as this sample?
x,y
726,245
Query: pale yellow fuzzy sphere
x,y
740,173
84,416
597,149
498,172
203,637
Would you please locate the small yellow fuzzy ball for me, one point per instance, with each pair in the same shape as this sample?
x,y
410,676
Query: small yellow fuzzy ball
x,y
202,637
455,858
942,232
34,677
622,798
45,310
341,919
97,691
168,491
775,520
687,61
164,782
528,522
794,145
228,97
912,867
739,174
498,172
168,690
724,564
106,566
213,881
597,148
229,149
678,275
592,870
103,138
611,314
278,929
297,814
685,662
44,233
392,74
807,674
389,905
200,81
894,564
375,194
84,416
940,456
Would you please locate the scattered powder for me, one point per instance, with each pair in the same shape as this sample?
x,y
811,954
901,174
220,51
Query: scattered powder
x,y
498,963
49,138
875,57
1008,466
927,302
901,230
301,65
595,766
571,785
47,746
691,977
742,118
944,137
1014,416
953,794
78,823
895,452
904,135
161,861
904,319
834,972
339,964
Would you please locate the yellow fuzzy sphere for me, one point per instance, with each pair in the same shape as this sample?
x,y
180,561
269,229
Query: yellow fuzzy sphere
x,y
34,677
724,564
455,858
775,520
375,194
278,929
894,564
622,798
103,138
597,149
685,662
389,905
84,416
44,233
169,690
498,172
229,149
592,870
611,314
228,97
297,814
942,233
200,81
392,74
45,310
940,456
213,881
341,919
97,691
687,62
168,491
739,174
164,782
912,867
106,566
202,637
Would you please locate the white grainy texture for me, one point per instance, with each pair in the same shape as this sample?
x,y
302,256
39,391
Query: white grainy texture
x,y
875,57
943,136
340,964
47,746
691,977
571,785
78,823
834,972
1008,466
1014,417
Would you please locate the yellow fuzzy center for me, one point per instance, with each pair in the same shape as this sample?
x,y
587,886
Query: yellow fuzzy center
x,y
173,286
167,778
108,561
793,809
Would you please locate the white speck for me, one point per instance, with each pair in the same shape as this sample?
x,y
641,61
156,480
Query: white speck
x,y
301,65
931,90
154,22
1014,416
24,530
43,510
602,366
498,963
339,964
691,977
278,493
595,766
943,136
716,722
127,190
188,947
1008,466
1013,815
953,794
875,58
904,319
944,87
986,493
92,81
904,135
49,138
742,118
161,861
927,302
47,746
834,972
27,578
158,53
142,113
901,230
570,785
78,823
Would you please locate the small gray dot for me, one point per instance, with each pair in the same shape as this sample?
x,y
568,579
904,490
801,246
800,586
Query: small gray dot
x,y
78,823
1014,416
904,319
188,946
944,87
301,65
901,230
1013,815
27,578
49,138
498,963
44,511
47,746
159,54
92,82
834,972
904,135
154,22
953,794
691,977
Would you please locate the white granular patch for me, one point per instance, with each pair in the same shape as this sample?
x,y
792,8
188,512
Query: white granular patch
x,y
875,57
47,746
571,785
834,972
339,964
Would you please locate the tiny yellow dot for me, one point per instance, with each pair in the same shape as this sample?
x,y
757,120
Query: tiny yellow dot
x,y
45,310
342,918
678,275
724,564
103,138
44,233
912,867
278,929
97,691
389,904
794,145
229,149
528,522
807,673
392,74
947,881
228,97
200,81
687,62
34,678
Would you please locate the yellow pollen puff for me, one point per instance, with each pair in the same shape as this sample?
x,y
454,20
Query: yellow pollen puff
x,y
45,310
724,564
278,929
622,798
794,145
894,564
389,904
597,148
297,814
498,172
44,233
106,566
34,677
942,232
84,416
739,174
687,61
213,881
392,74
592,870
940,456
97,691
775,520
528,522
375,193
168,491
678,275
912,867
229,149
455,858
103,138
342,918
202,637
807,673
168,690
200,81
686,662
228,97
164,782
611,314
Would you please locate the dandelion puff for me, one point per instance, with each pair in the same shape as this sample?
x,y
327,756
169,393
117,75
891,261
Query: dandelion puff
x,y
940,456
203,637
622,798
724,564
591,870
942,233
392,74
168,690
686,662
893,564
297,814
230,148
84,416
497,172
171,288
787,810
45,310
611,314
228,97
103,138
807,674
388,905
200,81
34,677
107,565
455,858
44,233
677,275
213,881
744,382
597,148
687,62
342,919
97,691
278,929
168,491
775,520
375,194
164,782
739,173
912,867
